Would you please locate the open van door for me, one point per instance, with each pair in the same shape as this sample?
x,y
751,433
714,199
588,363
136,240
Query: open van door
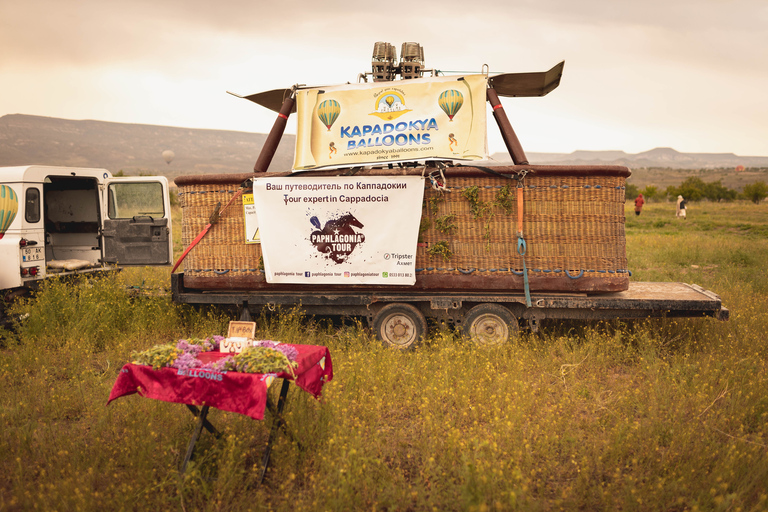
x,y
137,222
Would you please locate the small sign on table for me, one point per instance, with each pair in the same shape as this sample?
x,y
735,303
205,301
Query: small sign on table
x,y
239,336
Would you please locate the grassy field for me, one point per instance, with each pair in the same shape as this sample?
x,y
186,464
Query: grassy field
x,y
650,415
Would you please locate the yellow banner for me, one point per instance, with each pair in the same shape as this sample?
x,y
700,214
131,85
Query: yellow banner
x,y
440,118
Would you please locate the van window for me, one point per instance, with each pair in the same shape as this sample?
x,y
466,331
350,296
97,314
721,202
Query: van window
x,y
32,205
128,200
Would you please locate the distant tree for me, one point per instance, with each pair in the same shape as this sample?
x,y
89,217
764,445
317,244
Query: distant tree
x,y
119,174
756,192
631,191
695,189
691,189
715,191
651,192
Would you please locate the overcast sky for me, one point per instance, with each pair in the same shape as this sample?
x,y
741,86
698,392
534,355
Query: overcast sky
x,y
691,75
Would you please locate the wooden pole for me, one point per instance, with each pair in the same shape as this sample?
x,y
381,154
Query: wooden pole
x,y
273,139
508,134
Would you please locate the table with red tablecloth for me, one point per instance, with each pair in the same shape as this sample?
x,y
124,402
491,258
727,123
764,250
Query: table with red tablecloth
x,y
243,393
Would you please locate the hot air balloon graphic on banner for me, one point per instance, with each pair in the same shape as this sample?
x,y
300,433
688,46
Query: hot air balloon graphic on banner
x,y
328,111
9,205
451,101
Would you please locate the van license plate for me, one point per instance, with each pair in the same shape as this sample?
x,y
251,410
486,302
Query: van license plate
x,y
32,254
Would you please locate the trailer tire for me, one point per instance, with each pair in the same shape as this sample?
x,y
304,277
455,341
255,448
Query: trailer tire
x,y
400,325
490,324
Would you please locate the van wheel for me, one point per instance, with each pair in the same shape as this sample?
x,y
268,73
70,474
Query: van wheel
x,y
400,325
490,324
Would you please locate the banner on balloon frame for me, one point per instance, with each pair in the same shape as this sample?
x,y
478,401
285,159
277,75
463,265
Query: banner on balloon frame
x,y
440,118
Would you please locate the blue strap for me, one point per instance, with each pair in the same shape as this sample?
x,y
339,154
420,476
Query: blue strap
x,y
521,248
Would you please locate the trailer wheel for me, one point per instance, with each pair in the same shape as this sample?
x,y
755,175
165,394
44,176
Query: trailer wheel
x,y
400,325
490,324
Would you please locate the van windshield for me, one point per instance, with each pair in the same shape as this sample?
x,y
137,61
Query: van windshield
x,y
128,200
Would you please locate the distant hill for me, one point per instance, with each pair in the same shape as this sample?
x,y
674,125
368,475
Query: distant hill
x,y
657,158
137,149
133,148
662,167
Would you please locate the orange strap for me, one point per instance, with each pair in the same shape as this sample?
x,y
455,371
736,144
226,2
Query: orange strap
x,y
519,197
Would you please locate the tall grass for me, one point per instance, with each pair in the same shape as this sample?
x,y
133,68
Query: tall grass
x,y
666,414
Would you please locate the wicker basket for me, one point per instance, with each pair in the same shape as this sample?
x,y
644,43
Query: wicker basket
x,y
573,227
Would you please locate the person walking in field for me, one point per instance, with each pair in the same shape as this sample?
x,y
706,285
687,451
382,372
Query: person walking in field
x,y
639,202
680,208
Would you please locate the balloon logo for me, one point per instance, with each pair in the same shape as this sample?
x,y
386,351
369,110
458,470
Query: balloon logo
x,y
451,101
9,205
168,156
390,100
328,111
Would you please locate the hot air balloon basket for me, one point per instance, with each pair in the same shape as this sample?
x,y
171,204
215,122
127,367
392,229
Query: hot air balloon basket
x,y
572,232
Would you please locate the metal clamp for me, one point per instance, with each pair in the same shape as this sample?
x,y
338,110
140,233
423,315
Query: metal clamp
x,y
520,176
437,178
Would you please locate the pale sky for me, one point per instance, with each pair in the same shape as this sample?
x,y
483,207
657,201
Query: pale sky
x,y
691,75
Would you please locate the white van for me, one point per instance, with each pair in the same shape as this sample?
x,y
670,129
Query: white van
x,y
66,220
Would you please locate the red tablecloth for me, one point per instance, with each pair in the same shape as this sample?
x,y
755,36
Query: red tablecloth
x,y
244,393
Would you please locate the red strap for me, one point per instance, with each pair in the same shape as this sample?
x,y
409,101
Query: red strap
x,y
282,115
498,106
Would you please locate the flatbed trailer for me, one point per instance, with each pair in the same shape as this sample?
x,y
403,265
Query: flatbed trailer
x,y
399,317
572,217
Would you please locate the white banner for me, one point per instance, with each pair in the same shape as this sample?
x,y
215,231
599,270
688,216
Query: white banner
x,y
381,122
339,230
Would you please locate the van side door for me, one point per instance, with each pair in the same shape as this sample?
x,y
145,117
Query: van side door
x,y
136,217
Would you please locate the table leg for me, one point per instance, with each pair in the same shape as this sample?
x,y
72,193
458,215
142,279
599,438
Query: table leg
x,y
277,422
207,424
198,429
282,425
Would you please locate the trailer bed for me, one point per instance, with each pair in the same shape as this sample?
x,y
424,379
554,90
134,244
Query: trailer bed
x,y
640,300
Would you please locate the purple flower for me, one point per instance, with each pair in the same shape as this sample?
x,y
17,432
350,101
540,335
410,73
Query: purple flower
x,y
222,365
288,351
189,348
217,340
186,361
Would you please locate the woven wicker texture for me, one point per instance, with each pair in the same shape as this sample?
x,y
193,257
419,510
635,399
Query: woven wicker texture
x,y
223,248
569,223
572,224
